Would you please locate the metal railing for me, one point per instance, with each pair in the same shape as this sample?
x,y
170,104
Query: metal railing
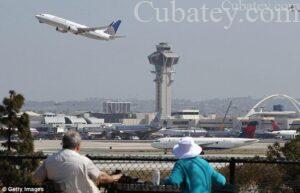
x,y
248,174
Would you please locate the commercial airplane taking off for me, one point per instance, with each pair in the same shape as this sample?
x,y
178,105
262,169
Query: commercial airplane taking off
x,y
64,26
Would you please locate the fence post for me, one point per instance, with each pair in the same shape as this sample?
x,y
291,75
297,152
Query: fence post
x,y
232,171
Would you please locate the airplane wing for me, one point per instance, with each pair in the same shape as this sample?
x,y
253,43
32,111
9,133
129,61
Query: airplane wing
x,y
87,29
119,36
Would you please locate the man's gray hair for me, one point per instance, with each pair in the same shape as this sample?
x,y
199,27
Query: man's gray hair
x,y
71,140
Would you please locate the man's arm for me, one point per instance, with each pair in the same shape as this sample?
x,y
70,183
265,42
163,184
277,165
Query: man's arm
x,y
101,177
104,178
40,174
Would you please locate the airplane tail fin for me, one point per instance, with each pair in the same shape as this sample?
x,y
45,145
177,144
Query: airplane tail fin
x,y
116,25
113,28
249,130
275,126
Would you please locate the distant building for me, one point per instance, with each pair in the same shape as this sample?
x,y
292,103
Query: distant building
x,y
35,119
51,123
53,119
187,114
216,123
94,120
116,107
74,120
278,108
179,123
114,117
138,119
130,121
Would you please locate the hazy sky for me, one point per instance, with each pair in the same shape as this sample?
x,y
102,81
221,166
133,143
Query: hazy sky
x,y
249,59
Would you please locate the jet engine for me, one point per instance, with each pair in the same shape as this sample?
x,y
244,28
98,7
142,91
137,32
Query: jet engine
x,y
61,30
73,29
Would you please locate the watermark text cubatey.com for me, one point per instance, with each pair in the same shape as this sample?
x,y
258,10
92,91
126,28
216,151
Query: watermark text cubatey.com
x,y
228,12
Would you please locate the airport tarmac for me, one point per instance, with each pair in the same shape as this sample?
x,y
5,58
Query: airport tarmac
x,y
100,147
143,148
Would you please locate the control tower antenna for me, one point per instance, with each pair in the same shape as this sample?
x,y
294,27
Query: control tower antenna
x,y
163,60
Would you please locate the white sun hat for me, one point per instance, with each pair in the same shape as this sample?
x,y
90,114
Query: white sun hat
x,y
186,148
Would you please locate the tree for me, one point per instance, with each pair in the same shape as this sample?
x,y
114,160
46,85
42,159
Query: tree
x,y
275,178
290,151
14,127
260,178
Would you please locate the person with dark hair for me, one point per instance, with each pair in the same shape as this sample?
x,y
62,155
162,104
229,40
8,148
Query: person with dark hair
x,y
192,173
73,172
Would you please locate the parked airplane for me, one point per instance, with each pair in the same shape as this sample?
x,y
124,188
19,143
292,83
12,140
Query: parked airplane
x,y
226,132
205,142
250,131
142,131
285,134
213,142
177,132
64,26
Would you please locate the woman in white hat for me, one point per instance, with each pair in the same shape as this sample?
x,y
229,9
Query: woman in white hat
x,y
192,173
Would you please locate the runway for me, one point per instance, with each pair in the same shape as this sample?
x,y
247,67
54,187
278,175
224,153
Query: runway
x,y
97,147
144,169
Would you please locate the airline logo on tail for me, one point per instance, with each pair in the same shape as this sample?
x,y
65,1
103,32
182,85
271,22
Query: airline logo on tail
x,y
249,130
113,28
275,126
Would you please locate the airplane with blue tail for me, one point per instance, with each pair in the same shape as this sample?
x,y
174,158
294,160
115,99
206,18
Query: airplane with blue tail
x,y
63,25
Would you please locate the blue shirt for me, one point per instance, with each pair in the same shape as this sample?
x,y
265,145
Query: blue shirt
x,y
194,175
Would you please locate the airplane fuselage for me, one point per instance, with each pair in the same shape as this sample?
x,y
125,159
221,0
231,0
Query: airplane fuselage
x,y
183,132
133,128
205,142
286,134
64,26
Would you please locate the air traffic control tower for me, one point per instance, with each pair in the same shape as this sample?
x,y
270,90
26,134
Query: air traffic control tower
x,y
163,60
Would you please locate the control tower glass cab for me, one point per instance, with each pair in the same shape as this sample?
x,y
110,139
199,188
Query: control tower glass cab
x,y
163,60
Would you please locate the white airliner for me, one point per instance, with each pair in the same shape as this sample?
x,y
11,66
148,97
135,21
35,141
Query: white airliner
x,y
177,132
64,26
285,134
205,142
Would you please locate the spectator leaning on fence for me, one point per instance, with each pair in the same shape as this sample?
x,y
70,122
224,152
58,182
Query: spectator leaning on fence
x,y
73,172
192,173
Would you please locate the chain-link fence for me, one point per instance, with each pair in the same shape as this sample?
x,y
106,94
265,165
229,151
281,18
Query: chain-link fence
x,y
247,174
